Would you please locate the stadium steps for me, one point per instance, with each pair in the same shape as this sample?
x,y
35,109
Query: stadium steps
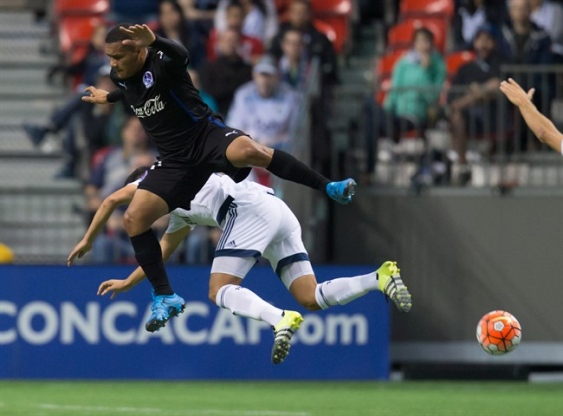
x,y
349,96
40,217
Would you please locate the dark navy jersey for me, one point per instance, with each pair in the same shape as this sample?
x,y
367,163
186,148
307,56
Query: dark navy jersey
x,y
165,100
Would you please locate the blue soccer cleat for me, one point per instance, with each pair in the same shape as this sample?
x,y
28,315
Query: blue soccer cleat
x,y
163,308
342,191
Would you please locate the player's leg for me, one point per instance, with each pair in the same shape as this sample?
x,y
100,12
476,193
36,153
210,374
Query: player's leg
x,y
145,208
225,291
298,277
243,152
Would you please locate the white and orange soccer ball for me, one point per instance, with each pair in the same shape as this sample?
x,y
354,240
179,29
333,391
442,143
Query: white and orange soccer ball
x,y
499,332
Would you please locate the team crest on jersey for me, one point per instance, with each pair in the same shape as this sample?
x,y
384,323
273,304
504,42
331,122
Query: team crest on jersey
x,y
148,79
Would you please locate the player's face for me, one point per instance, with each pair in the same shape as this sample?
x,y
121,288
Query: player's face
x,y
125,60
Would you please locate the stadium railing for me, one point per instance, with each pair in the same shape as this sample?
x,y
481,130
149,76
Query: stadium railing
x,y
502,150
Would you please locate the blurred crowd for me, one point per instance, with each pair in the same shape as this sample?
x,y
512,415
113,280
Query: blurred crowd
x,y
251,61
447,73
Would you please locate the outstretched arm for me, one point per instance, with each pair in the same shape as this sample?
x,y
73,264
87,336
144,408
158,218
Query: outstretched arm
x,y
542,127
143,36
120,197
169,243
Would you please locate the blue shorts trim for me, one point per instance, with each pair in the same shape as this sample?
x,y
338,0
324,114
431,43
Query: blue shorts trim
x,y
233,252
294,258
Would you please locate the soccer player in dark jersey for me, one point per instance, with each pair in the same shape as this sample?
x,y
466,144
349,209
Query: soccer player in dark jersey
x,y
193,142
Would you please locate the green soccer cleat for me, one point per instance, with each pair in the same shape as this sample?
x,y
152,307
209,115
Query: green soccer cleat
x,y
391,284
283,332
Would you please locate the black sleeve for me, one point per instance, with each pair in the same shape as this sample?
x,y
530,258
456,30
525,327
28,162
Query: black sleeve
x,y
115,96
175,52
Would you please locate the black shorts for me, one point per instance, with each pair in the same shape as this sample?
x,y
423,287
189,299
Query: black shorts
x,y
178,180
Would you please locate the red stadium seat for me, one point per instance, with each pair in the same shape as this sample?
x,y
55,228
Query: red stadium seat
x,y
456,59
400,35
335,13
335,29
386,63
75,32
384,69
427,8
80,7
331,7
326,29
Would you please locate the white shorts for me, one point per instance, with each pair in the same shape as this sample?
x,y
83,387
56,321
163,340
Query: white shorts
x,y
265,228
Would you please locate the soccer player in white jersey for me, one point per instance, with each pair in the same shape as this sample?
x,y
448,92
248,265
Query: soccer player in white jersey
x,y
255,223
542,127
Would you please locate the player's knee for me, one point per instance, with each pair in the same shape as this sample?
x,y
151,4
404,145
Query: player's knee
x,y
250,153
133,223
309,302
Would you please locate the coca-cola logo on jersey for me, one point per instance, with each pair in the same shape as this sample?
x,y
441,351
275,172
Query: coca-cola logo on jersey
x,y
152,106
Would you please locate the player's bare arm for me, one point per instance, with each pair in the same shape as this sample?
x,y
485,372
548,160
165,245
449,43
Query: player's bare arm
x,y
169,244
540,125
120,197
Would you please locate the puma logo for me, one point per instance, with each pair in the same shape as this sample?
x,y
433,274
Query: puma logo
x,y
231,132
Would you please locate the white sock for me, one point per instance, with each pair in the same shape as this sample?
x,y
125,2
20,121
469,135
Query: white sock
x,y
243,302
345,289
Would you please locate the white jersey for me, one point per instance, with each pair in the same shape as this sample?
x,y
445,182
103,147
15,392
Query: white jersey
x,y
211,203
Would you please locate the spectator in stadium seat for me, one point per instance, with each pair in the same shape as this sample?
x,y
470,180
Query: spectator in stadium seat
x,y
524,42
222,77
172,25
472,14
293,64
316,43
260,18
477,104
201,13
251,49
549,16
265,107
108,175
102,124
87,70
416,83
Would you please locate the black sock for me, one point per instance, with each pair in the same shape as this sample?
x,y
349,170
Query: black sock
x,y
288,167
149,256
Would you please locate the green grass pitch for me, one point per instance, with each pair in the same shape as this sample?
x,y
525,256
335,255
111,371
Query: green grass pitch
x,y
45,398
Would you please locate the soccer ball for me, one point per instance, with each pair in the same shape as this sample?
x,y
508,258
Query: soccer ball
x,y
498,332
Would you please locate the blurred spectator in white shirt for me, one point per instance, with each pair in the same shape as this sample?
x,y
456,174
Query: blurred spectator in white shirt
x,y
265,108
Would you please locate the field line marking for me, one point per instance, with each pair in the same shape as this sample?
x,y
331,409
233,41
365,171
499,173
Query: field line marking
x,y
187,412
